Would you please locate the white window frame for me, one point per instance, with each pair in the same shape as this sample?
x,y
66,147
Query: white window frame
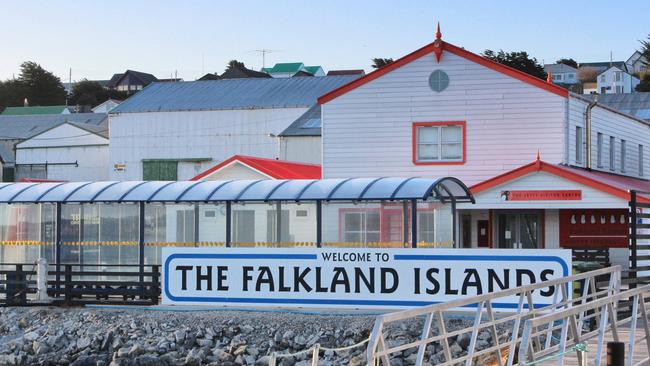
x,y
362,231
641,162
599,151
623,154
579,145
439,143
612,153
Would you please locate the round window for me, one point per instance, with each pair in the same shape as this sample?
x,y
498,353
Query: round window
x,y
438,80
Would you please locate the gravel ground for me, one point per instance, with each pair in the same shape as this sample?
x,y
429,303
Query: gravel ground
x,y
92,336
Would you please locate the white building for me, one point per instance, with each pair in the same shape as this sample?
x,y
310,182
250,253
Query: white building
x,y
616,81
174,131
444,111
67,152
106,106
637,63
562,74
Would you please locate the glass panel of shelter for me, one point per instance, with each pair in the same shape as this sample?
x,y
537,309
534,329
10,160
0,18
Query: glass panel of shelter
x,y
106,235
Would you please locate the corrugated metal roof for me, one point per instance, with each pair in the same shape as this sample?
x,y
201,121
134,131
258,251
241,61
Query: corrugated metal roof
x,y
250,93
21,111
559,68
444,189
634,104
24,127
302,125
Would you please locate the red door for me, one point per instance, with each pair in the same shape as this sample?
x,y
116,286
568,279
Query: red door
x,y
483,236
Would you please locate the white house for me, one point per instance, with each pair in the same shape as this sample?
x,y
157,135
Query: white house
x,y
542,162
616,81
174,131
69,151
637,63
562,74
106,106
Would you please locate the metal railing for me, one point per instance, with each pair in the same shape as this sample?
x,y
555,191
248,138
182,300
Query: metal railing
x,y
502,349
565,329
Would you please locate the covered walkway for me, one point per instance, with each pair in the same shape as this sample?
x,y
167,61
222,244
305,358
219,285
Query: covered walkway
x,y
128,222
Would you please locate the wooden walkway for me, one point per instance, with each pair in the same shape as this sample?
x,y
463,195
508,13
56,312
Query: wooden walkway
x,y
640,352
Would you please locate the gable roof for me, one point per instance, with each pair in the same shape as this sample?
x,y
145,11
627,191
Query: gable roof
x,y
614,184
360,72
605,65
229,94
276,169
144,77
23,111
284,67
559,68
442,46
304,125
101,131
24,127
313,69
241,72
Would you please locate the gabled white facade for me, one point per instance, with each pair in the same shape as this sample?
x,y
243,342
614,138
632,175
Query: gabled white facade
x,y
368,131
65,152
196,139
616,81
637,63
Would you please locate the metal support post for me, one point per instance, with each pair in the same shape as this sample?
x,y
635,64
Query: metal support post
x,y
414,223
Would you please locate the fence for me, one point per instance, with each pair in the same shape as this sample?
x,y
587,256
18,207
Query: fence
x,y
570,324
75,284
502,350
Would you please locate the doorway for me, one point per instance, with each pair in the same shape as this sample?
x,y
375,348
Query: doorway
x,y
519,230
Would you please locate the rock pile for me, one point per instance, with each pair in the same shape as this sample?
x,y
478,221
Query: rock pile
x,y
81,337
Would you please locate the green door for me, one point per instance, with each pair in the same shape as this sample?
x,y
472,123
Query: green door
x,y
160,170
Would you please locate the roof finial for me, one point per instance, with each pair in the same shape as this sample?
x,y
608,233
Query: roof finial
x,y
538,155
438,34
549,76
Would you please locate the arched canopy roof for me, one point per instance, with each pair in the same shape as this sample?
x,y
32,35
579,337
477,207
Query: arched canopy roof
x,y
353,189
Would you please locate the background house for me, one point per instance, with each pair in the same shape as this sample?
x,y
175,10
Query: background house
x,y
69,151
616,81
637,63
16,129
562,74
106,106
24,111
290,69
174,131
131,81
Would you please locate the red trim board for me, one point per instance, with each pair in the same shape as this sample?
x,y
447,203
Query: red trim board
x,y
432,48
618,186
276,169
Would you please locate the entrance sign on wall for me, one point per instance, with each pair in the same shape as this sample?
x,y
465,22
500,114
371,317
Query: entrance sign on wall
x,y
542,195
353,278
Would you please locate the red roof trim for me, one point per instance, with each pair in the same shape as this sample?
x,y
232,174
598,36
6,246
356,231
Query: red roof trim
x,y
519,75
557,170
276,169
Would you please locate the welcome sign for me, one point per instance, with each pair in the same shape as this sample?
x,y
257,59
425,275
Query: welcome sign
x,y
353,278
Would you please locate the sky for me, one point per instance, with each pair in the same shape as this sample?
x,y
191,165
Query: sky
x,y
192,37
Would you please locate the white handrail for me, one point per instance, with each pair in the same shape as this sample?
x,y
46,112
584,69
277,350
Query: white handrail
x,y
378,350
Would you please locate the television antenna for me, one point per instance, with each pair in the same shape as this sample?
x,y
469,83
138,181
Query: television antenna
x,y
263,52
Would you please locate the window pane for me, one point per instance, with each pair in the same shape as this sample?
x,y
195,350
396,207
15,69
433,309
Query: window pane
x,y
451,134
452,151
372,221
428,135
427,152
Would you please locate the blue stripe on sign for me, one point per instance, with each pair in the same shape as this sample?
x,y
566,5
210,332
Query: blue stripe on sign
x,y
407,257
526,258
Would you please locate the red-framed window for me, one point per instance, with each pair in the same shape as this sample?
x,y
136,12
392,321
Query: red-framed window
x,y
439,143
